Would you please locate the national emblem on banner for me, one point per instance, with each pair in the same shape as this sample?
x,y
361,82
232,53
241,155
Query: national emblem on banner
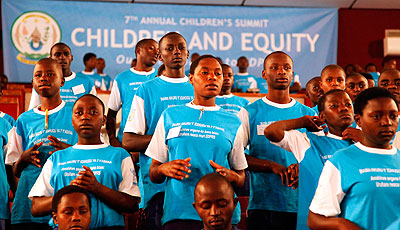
x,y
32,34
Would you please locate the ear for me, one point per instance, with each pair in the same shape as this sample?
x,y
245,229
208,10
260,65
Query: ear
x,y
159,56
104,119
235,202
62,80
322,116
54,216
72,58
191,78
194,205
357,119
187,55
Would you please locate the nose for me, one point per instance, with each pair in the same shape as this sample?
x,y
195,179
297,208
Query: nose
x,y
214,211
76,217
386,121
212,76
343,107
280,70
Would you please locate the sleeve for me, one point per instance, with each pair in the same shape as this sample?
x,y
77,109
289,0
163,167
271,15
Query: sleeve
x,y
296,78
329,193
35,100
129,184
136,122
93,91
114,101
295,142
244,118
157,148
237,159
42,186
14,147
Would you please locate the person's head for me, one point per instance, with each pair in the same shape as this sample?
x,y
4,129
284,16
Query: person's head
x,y
349,69
62,54
173,50
371,67
242,64
71,208
389,63
88,116
133,63
194,56
313,90
278,70
336,109
219,60
3,81
47,78
161,70
90,61
355,84
376,113
100,64
390,80
147,52
332,77
206,76
370,79
228,78
215,202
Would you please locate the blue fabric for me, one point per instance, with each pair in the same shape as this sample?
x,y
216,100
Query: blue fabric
x,y
70,91
231,103
242,82
106,81
95,78
8,118
5,127
262,85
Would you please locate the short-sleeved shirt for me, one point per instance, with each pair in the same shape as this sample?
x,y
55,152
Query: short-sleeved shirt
x,y
95,77
361,184
203,134
266,189
8,118
112,167
244,81
151,99
5,127
231,103
30,130
123,90
106,81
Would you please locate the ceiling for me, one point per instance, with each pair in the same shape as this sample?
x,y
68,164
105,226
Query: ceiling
x,y
349,4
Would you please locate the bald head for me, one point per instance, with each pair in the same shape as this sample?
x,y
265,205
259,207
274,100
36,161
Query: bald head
x,y
212,181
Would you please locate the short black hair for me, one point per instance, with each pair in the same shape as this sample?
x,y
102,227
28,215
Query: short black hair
x,y
100,58
276,52
195,63
59,44
226,66
370,64
170,34
313,79
321,101
368,76
214,177
68,190
388,71
87,57
387,59
332,66
369,94
354,75
92,96
141,43
242,57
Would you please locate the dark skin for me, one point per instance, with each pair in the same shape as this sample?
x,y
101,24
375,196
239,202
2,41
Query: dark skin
x,y
87,120
62,54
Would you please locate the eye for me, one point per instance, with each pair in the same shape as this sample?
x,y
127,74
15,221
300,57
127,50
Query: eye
x,y
329,79
50,74
287,68
222,203
376,116
204,72
37,75
274,67
333,106
170,48
397,83
78,112
351,86
340,79
349,104
205,206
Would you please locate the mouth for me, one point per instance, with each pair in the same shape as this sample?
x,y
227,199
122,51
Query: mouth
x,y
282,80
216,222
177,59
386,133
45,86
86,126
212,86
76,227
346,116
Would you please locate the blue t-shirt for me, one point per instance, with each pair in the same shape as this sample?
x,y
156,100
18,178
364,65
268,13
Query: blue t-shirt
x,y
106,81
151,99
244,81
231,103
203,134
30,128
262,85
375,76
266,190
123,90
8,118
5,127
95,77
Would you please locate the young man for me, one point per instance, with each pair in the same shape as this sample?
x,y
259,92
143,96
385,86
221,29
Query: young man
x,y
106,81
332,77
226,99
71,208
390,80
90,62
151,99
30,144
214,201
126,84
314,92
272,205
355,84
356,189
313,149
75,85
106,172
243,80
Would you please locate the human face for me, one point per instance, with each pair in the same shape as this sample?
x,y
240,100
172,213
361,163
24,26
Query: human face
x,y
73,212
149,53
338,111
228,78
91,63
215,205
207,78
278,71
390,80
242,63
101,64
371,68
314,91
88,118
391,64
332,79
355,85
378,122
173,52
62,54
371,83
47,79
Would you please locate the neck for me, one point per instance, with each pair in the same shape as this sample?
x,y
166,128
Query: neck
x,y
67,72
50,103
140,66
204,101
90,141
87,69
228,227
372,144
313,104
242,70
337,130
99,71
279,96
175,73
225,92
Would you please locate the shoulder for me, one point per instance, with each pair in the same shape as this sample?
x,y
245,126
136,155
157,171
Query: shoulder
x,y
123,74
117,151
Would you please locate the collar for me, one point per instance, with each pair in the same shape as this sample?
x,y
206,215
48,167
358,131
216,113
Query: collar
x,y
203,108
242,74
55,110
70,77
88,73
277,105
225,96
391,151
334,136
100,146
174,80
142,72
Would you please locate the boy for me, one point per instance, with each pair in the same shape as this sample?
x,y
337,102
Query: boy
x,y
389,63
271,204
243,80
214,201
126,84
354,190
71,208
313,149
106,172
226,99
75,85
90,61
29,145
151,99
355,84
332,77
314,92
106,81
390,80
5,127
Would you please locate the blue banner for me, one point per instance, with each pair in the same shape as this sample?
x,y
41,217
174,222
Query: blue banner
x,y
111,30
